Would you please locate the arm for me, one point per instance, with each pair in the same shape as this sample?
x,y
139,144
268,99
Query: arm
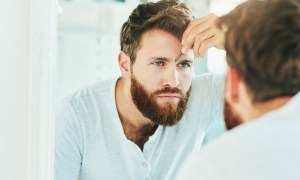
x,y
68,144
217,125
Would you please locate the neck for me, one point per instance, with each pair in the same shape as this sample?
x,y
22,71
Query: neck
x,y
136,127
259,109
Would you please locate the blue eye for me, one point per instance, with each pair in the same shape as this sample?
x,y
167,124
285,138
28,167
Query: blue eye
x,y
184,65
158,63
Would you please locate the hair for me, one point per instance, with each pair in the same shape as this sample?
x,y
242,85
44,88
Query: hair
x,y
262,42
171,16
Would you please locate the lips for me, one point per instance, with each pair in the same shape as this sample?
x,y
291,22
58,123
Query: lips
x,y
169,97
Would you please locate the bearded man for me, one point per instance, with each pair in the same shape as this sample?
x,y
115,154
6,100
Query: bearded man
x,y
145,123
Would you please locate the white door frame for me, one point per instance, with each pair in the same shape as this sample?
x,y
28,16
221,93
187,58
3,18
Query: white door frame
x,y
43,35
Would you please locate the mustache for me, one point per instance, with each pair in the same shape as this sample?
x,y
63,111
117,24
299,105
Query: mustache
x,y
168,90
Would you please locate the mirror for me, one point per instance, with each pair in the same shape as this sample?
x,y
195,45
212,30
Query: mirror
x,y
87,52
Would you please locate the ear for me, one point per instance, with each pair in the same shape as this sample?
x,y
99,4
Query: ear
x,y
232,85
124,64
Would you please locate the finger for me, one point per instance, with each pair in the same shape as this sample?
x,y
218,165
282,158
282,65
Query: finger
x,y
196,46
205,45
191,38
200,38
220,37
196,22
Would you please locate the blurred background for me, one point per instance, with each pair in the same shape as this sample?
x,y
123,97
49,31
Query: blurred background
x,y
88,40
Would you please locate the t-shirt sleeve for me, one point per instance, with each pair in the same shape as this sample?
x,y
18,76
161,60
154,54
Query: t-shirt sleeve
x,y
68,143
216,125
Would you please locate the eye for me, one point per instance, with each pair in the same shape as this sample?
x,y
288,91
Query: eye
x,y
184,64
158,63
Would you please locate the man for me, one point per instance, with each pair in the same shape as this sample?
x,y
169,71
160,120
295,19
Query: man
x,y
145,123
262,41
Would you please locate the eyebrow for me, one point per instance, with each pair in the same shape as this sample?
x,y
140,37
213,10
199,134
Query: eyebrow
x,y
185,60
158,58
167,59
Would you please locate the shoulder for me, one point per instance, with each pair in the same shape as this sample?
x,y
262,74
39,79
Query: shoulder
x,y
87,100
208,79
240,138
91,96
238,143
212,158
92,90
208,90
208,84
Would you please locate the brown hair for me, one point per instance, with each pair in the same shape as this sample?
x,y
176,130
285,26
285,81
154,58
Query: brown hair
x,y
171,16
262,42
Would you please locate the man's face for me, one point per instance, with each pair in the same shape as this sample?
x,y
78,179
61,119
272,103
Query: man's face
x,y
160,86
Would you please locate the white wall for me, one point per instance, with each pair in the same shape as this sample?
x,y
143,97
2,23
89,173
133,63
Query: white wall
x,y
14,73
27,59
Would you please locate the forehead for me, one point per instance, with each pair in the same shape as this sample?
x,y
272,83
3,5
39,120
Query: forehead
x,y
159,38
159,43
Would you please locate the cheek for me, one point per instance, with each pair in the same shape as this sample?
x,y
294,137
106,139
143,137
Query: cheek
x,y
186,81
148,80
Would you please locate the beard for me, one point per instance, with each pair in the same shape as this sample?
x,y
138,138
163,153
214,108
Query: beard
x,y
232,119
167,114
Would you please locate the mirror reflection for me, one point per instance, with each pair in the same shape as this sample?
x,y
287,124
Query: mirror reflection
x,y
128,110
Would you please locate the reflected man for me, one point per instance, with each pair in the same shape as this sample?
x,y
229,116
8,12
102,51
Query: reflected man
x,y
145,123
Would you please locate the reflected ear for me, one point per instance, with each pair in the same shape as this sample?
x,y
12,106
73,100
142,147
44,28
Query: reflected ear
x,y
124,64
232,85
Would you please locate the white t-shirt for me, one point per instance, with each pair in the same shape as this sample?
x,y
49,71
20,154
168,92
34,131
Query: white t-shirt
x,y
91,144
267,148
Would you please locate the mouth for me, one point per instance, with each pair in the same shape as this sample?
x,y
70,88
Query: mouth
x,y
168,97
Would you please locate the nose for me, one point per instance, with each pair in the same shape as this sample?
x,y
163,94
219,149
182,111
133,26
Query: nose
x,y
171,78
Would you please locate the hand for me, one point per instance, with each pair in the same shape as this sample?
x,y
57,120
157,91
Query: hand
x,y
202,34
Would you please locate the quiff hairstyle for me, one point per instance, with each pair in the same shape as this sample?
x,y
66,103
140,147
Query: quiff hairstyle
x,y
262,42
171,16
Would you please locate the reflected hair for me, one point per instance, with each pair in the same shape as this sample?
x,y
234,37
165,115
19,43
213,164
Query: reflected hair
x,y
171,16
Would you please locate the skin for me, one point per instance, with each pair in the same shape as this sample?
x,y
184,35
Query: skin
x,y
154,68
202,34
